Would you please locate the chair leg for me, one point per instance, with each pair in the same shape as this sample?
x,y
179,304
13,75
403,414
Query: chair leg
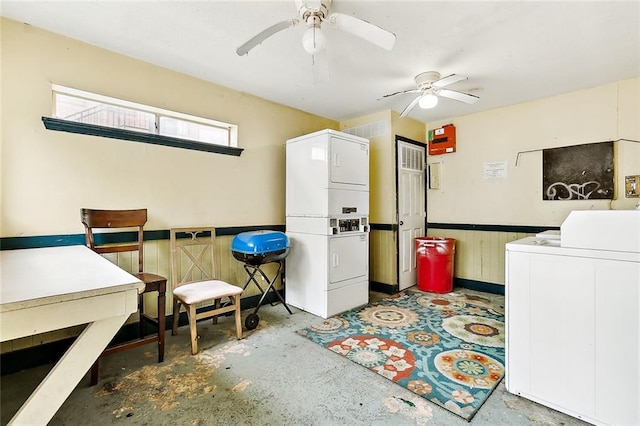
x,y
216,306
236,302
176,316
161,324
191,309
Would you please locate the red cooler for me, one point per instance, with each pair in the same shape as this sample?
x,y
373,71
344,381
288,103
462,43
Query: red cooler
x,y
434,261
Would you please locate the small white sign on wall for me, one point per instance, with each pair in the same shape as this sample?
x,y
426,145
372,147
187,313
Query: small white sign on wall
x,y
495,170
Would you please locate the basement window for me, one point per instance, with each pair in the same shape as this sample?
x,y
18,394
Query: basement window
x,y
77,111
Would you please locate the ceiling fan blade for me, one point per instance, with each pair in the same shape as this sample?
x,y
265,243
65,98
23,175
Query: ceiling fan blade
x,y
363,29
409,107
402,92
458,96
450,79
256,40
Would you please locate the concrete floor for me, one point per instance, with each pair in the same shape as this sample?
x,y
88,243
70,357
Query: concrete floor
x,y
271,377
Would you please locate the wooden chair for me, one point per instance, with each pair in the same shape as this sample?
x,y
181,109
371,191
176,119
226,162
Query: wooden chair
x,y
194,278
131,219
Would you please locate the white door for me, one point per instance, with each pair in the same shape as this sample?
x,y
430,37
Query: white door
x,y
411,208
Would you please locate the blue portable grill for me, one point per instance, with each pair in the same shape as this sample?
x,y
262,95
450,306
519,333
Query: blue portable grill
x,y
257,248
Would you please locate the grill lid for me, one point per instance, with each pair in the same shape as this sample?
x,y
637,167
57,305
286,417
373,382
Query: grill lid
x,y
259,242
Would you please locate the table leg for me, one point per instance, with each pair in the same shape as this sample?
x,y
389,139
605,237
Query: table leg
x,y
45,401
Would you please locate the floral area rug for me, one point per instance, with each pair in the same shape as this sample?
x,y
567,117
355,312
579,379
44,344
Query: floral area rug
x,y
447,348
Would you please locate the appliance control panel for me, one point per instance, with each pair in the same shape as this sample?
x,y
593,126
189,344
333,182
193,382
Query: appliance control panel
x,y
350,224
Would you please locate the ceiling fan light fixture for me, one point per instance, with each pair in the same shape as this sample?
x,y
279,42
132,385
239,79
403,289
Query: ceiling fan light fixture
x,y
428,100
313,40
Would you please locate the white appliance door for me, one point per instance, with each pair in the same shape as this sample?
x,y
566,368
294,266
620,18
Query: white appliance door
x,y
349,162
348,258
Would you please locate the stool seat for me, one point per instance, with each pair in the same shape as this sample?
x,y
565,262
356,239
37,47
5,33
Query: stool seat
x,y
205,290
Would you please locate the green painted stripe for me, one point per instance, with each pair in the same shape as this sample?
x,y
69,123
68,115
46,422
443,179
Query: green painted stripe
x,y
235,230
457,282
491,228
479,286
128,135
384,227
533,229
383,287
15,243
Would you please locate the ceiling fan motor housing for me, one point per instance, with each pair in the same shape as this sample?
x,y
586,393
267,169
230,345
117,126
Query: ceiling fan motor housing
x,y
425,79
306,10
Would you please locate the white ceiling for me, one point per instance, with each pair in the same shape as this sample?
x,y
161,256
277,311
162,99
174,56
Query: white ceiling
x,y
512,51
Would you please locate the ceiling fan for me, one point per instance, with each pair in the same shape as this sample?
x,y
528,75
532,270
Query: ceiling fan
x,y
430,87
313,13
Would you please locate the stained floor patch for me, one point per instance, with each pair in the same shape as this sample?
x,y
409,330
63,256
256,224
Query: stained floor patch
x,y
164,385
214,357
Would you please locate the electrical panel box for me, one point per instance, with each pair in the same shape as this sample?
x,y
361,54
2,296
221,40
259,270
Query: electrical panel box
x,y
442,140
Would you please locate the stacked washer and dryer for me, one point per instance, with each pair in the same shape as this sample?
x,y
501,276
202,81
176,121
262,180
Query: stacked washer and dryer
x,y
327,221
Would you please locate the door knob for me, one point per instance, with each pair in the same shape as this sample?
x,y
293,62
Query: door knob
x,y
401,223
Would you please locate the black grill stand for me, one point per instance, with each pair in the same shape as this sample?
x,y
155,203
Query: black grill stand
x,y
253,319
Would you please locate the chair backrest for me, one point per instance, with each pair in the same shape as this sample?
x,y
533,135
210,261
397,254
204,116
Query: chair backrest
x,y
114,219
193,255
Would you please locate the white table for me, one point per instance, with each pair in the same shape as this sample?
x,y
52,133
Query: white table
x,y
49,289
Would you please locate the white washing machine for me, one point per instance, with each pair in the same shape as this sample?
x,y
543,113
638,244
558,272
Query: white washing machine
x,y
573,317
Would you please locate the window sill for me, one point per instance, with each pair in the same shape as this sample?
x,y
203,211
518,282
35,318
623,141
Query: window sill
x,y
128,135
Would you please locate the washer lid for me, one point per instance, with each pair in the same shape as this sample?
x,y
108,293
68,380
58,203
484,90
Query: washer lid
x,y
614,230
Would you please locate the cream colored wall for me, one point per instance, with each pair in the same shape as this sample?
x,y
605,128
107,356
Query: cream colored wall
x,y
48,176
408,128
599,114
382,179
